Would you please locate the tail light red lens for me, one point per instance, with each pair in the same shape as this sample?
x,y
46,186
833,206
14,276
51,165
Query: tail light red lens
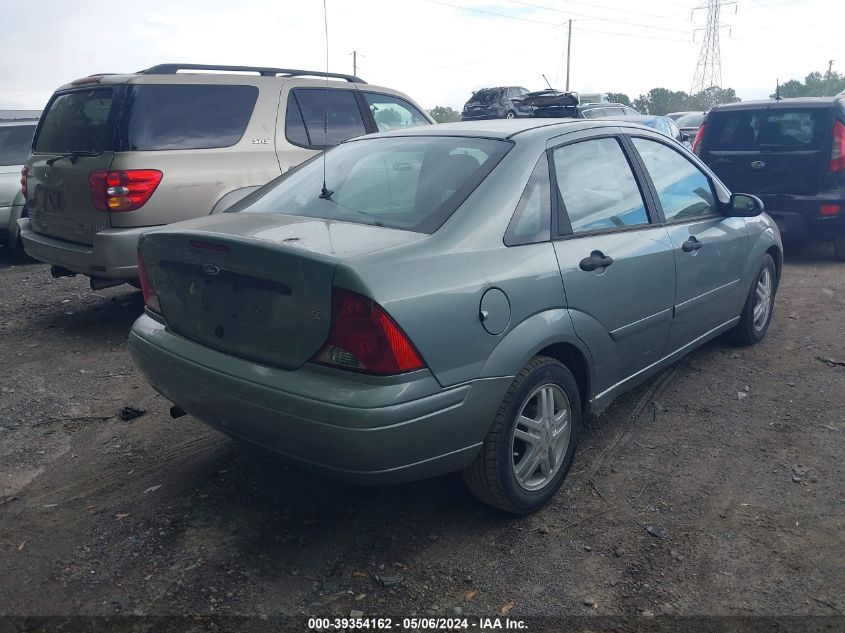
x,y
151,300
830,210
25,181
364,338
837,152
699,136
124,190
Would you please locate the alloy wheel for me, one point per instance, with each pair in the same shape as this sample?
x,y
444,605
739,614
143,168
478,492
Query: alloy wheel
x,y
541,437
763,299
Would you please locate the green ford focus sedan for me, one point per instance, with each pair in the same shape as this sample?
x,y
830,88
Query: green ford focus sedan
x,y
454,297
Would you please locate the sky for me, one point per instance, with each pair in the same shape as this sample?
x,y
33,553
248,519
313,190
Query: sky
x,y
437,51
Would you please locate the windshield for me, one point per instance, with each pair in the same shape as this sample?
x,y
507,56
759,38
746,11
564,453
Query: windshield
x,y
78,121
15,141
690,120
411,183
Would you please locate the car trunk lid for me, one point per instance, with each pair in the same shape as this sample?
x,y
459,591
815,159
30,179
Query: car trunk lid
x,y
773,150
74,138
253,285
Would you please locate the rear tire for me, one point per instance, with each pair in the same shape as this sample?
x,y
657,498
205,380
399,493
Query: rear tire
x,y
531,444
839,248
759,305
510,115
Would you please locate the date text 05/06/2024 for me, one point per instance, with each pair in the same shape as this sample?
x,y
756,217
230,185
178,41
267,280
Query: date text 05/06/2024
x,y
416,624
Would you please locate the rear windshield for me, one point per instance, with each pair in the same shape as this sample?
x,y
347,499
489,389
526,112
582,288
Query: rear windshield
x,y
187,116
411,183
78,121
15,141
690,120
485,96
781,128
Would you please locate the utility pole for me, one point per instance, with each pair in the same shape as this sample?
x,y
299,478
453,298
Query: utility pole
x,y
829,77
355,63
568,48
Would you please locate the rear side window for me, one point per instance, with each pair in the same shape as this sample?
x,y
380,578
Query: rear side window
x,y
318,118
15,141
530,222
78,121
393,113
188,116
412,183
781,128
597,186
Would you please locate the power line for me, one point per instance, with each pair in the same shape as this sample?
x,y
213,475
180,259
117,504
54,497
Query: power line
x,y
486,12
594,17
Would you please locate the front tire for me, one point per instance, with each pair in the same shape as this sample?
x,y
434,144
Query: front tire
x,y
531,444
759,306
510,115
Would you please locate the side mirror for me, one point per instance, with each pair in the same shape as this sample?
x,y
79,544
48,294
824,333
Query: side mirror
x,y
744,205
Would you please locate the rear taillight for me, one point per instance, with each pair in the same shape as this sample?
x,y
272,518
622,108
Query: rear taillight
x,y
364,338
699,136
24,181
150,297
124,190
830,210
837,152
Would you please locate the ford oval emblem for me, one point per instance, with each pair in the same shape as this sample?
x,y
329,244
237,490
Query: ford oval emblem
x,y
758,164
211,269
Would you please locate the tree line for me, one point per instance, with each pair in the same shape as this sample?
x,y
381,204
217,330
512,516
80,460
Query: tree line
x,y
663,100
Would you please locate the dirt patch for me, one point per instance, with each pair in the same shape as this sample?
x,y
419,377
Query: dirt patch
x,y
714,488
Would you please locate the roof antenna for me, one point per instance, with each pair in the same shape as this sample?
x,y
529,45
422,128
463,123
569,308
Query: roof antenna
x,y
547,83
777,89
325,194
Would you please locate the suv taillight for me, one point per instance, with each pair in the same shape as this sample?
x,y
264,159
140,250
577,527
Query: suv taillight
x,y
150,297
123,190
25,181
837,152
364,338
699,136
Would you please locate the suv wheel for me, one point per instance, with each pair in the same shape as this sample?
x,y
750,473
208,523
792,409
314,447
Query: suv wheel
x,y
510,115
759,305
531,444
839,248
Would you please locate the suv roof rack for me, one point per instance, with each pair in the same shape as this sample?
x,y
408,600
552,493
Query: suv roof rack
x,y
172,69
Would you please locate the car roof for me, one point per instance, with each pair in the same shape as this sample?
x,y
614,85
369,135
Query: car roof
x,y
497,128
818,102
633,118
13,122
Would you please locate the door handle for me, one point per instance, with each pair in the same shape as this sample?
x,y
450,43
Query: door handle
x,y
597,259
691,245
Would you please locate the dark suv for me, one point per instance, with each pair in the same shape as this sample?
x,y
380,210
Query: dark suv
x,y
495,103
788,152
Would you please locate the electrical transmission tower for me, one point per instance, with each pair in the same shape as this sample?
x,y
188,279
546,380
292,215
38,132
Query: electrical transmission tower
x,y
708,72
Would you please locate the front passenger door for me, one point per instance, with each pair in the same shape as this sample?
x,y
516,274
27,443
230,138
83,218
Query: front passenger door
x,y
710,248
616,262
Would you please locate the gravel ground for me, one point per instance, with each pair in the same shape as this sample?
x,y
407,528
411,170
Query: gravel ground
x,y
716,488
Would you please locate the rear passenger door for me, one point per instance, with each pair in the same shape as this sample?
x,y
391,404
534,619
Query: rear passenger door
x,y
616,261
710,248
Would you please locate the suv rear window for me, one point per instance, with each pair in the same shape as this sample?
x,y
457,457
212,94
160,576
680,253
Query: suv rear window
x,y
411,183
78,121
187,116
15,141
782,128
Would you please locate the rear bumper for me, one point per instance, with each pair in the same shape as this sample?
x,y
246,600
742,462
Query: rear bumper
x,y
362,429
112,254
799,218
